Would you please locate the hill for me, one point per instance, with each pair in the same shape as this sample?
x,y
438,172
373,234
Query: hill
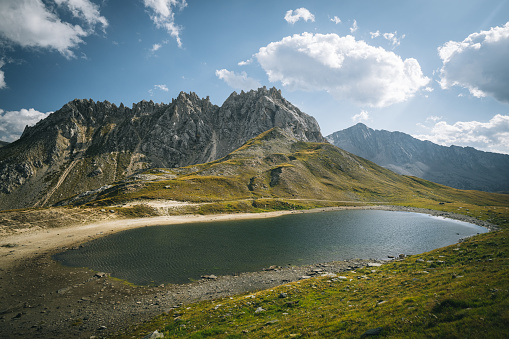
x,y
86,145
275,165
458,167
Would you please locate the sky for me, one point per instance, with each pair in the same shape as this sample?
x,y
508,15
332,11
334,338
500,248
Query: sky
x,y
437,70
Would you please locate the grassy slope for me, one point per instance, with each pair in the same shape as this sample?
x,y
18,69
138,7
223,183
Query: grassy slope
x,y
460,291
457,291
296,174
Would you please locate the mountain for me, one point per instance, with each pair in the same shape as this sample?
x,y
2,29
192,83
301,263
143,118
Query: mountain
x,y
458,167
275,166
86,145
3,143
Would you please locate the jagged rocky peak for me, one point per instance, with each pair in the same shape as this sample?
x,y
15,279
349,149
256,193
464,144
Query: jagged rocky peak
x,y
87,144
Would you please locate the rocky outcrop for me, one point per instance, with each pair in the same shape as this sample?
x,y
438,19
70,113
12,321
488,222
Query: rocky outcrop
x,y
86,144
454,166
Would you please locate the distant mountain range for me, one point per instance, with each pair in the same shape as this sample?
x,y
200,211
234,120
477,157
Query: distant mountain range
x,y
458,167
86,145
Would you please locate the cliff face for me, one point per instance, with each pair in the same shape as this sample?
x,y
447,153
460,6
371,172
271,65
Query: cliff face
x,y
458,167
86,145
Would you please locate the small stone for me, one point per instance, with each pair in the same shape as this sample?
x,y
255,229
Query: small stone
x,y
372,331
259,309
154,335
211,277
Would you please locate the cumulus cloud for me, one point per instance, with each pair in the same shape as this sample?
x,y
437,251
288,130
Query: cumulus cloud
x,y
30,23
292,16
354,27
342,66
2,75
237,81
335,20
478,63
492,136
12,123
362,116
163,15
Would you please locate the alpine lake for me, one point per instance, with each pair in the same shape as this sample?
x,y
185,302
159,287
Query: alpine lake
x,y
182,253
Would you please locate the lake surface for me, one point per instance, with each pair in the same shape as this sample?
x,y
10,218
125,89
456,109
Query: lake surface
x,y
181,253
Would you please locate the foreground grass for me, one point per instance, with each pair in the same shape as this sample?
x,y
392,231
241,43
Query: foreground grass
x,y
458,291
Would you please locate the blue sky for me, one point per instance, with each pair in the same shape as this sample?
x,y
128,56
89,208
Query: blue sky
x,y
437,70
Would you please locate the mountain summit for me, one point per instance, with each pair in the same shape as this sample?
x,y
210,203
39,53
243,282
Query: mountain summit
x,y
86,145
454,166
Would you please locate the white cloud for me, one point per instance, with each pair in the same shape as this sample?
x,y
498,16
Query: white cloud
x,y
237,81
393,38
30,23
433,118
342,66
492,136
335,20
163,15
84,9
354,27
362,116
12,123
155,47
244,63
2,75
374,34
478,63
161,87
292,16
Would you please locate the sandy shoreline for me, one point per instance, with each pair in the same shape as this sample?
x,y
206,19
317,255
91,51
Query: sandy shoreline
x,y
41,298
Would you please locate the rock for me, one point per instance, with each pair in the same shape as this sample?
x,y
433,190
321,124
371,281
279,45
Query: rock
x,y
401,256
154,335
101,275
283,295
304,277
210,277
96,172
374,264
259,309
371,332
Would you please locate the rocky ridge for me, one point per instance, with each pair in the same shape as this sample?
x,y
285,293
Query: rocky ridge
x,y
454,166
86,144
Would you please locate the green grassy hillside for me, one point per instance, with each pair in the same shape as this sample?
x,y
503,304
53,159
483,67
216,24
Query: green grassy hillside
x,y
274,171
